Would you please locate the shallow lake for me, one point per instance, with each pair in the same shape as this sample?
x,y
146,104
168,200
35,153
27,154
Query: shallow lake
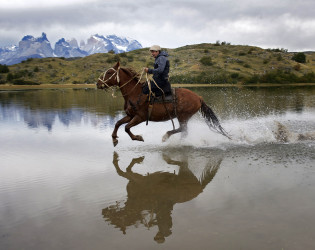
x,y
64,186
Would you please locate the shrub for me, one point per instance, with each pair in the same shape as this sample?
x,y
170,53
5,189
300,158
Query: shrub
x,y
266,61
250,51
4,68
299,57
206,60
10,77
279,57
113,59
246,65
24,82
297,67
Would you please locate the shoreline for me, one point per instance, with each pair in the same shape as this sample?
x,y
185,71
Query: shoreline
x,y
75,86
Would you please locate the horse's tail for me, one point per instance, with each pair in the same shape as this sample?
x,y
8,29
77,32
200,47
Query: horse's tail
x,y
211,119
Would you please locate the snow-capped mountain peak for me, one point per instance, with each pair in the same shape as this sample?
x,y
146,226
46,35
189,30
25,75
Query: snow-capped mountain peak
x,y
31,47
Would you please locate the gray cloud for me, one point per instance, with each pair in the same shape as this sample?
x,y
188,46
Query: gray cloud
x,y
269,24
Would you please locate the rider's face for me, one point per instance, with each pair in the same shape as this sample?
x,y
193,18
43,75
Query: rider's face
x,y
154,53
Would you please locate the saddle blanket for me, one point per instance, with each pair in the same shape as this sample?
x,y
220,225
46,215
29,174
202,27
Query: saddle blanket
x,y
169,98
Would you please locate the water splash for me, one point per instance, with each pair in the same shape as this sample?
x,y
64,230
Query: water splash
x,y
246,131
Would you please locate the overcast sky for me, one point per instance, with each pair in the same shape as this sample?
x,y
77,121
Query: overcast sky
x,y
288,24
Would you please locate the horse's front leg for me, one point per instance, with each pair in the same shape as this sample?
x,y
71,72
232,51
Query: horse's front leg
x,y
124,120
134,122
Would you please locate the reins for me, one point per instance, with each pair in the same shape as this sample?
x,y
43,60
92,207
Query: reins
x,y
116,72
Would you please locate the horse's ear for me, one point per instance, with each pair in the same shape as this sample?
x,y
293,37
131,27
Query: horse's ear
x,y
117,65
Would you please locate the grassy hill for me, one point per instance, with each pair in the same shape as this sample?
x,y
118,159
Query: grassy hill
x,y
201,63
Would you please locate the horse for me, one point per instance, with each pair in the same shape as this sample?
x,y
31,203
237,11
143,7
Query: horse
x,y
136,104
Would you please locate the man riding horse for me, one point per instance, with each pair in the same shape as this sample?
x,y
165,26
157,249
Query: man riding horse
x,y
160,84
184,104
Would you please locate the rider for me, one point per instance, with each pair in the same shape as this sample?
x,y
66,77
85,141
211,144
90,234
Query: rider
x,y
160,73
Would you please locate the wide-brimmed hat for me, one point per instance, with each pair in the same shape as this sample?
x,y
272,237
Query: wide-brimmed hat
x,y
155,48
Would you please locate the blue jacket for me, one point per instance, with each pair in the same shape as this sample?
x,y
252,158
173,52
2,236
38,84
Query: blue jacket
x,y
160,74
161,67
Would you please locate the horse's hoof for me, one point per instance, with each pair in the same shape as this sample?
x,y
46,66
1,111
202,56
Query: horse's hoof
x,y
138,138
165,137
115,142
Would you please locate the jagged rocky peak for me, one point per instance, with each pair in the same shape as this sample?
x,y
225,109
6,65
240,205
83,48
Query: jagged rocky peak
x,y
101,44
68,49
30,38
31,47
35,47
73,43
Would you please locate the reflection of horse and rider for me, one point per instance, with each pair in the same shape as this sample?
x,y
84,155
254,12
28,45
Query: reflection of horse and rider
x,y
151,197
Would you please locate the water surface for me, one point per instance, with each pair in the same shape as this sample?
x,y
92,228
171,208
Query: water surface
x,y
63,185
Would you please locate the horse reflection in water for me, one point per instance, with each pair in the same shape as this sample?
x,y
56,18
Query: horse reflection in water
x,y
151,197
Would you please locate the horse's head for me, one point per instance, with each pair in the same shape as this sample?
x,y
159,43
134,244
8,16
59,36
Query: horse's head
x,y
109,78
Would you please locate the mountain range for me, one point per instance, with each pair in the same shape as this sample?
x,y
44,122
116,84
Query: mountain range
x,y
40,47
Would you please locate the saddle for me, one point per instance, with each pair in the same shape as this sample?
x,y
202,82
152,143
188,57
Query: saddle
x,y
161,99
164,99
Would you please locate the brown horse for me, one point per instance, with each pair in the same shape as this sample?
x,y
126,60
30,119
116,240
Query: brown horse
x,y
136,104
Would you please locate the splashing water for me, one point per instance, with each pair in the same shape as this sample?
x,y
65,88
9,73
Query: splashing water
x,y
251,131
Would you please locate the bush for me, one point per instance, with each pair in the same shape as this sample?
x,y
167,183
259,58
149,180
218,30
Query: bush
x,y
250,51
246,65
206,60
234,75
113,59
10,77
297,67
4,68
299,57
130,58
2,81
24,82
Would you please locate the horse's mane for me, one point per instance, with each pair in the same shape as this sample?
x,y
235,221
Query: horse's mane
x,y
132,73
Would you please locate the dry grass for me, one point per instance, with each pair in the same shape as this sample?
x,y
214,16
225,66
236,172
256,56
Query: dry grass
x,y
242,61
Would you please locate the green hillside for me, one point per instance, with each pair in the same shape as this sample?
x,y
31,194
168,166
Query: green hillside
x,y
202,63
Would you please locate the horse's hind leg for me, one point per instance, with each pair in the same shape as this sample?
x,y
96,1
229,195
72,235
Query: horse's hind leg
x,y
182,128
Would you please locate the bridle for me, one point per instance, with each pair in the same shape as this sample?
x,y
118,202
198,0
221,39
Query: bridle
x,y
104,82
116,74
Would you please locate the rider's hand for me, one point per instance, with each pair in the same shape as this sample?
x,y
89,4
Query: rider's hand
x,y
146,70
